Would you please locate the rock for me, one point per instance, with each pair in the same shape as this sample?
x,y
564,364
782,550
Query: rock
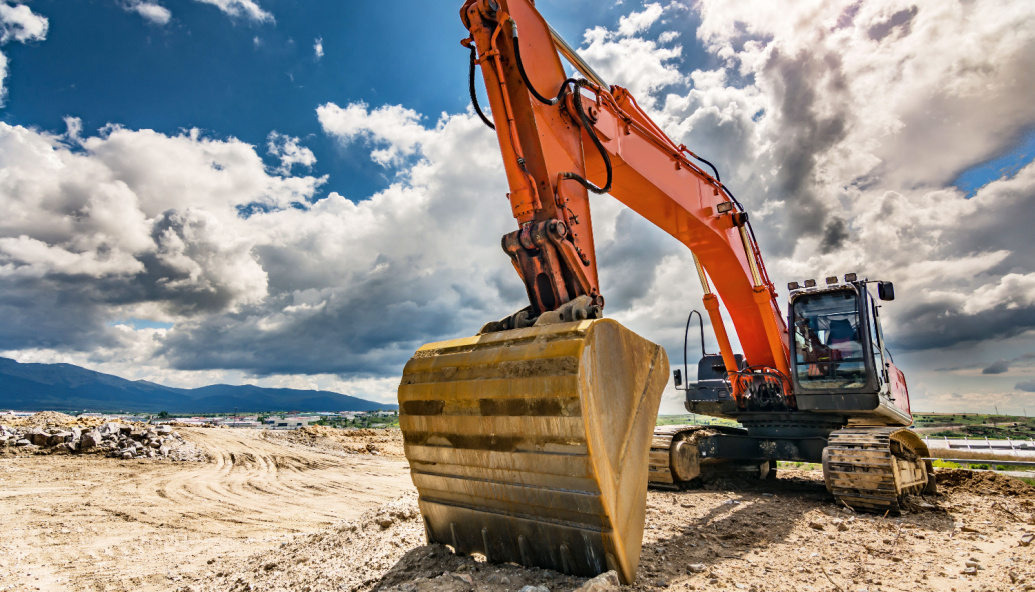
x,y
110,428
89,440
76,433
817,525
23,442
605,582
696,568
970,571
127,455
58,438
1026,539
535,589
38,437
165,430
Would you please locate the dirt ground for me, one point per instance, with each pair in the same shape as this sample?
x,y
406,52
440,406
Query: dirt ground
x,y
92,523
380,442
782,535
312,512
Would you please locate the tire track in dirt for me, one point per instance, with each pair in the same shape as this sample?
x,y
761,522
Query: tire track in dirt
x,y
104,524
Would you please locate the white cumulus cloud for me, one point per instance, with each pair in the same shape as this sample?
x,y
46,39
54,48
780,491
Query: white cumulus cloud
x,y
290,153
151,11
638,22
18,23
396,129
246,9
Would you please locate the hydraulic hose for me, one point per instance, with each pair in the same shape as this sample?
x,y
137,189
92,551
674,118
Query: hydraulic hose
x,y
686,338
583,118
588,126
524,75
474,95
712,166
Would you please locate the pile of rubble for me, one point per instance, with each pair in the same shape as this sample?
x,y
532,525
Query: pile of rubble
x,y
112,439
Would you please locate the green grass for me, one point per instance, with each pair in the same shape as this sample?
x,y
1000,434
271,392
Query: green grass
x,y
392,421
687,418
975,425
804,466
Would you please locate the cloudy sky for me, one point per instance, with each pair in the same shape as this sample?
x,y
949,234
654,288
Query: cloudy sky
x,y
291,193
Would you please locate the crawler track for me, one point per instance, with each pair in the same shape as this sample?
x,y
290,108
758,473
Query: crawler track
x,y
673,458
870,469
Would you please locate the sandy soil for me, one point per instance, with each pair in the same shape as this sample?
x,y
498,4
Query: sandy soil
x,y
314,512
384,442
786,534
89,523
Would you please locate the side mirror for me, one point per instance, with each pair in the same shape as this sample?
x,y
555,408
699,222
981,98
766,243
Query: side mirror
x,y
886,290
677,377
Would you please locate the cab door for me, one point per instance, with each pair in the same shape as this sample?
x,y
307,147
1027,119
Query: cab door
x,y
892,380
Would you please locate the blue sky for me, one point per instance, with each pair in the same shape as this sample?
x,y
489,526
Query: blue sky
x,y
242,78
861,138
1005,165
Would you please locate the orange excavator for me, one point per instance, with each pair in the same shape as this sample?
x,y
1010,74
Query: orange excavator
x,y
534,441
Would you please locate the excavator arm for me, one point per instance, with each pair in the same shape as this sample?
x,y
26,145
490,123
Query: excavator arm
x,y
588,130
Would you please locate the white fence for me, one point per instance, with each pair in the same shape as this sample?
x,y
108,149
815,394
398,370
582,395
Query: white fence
x,y
1020,448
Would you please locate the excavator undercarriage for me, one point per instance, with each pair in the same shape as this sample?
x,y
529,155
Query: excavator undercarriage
x,y
868,469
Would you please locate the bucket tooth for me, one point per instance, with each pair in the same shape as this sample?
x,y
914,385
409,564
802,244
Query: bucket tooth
x,y
529,445
485,543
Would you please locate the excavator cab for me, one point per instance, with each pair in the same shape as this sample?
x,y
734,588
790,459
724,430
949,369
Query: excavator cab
x,y
839,359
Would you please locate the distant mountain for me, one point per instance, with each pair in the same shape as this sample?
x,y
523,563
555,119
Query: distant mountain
x,y
64,387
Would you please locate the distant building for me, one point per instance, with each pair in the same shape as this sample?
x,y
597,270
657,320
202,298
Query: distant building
x,y
242,424
290,423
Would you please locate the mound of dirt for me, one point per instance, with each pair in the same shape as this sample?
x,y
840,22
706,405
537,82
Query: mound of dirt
x,y
385,442
54,419
983,482
41,419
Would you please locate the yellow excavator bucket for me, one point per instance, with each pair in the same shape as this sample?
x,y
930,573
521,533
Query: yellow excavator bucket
x,y
530,446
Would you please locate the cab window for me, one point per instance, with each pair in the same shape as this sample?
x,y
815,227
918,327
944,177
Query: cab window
x,y
828,341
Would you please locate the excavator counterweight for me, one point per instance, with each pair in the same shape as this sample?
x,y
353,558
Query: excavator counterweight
x,y
528,445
